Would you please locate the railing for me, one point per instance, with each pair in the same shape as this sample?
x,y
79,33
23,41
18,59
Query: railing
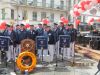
x,y
45,5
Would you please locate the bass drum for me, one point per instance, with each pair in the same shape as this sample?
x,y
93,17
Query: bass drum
x,y
28,45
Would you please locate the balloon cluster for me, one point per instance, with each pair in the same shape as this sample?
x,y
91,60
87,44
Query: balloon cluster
x,y
64,20
83,6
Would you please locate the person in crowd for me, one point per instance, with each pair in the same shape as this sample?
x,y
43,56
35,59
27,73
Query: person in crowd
x,y
73,34
17,42
21,34
9,32
55,30
39,31
60,31
67,50
31,33
51,42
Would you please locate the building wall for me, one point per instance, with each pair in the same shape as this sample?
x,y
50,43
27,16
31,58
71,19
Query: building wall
x,y
19,9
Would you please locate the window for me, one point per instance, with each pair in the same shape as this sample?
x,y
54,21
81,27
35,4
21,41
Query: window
x,y
24,17
43,3
35,2
29,2
52,4
12,14
52,17
35,16
61,4
23,1
3,14
43,15
69,5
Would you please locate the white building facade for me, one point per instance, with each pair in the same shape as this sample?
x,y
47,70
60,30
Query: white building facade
x,y
33,10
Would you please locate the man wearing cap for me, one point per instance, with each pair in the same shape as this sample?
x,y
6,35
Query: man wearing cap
x,y
17,32
73,34
51,42
67,50
22,34
55,36
60,31
9,32
39,32
32,33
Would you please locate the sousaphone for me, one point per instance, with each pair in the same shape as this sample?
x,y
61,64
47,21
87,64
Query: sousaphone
x,y
27,45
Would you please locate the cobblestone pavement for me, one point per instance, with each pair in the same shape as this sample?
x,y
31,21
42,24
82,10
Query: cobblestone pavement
x,y
63,68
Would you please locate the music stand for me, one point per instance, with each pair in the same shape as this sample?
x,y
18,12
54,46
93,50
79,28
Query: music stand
x,y
41,43
64,42
4,46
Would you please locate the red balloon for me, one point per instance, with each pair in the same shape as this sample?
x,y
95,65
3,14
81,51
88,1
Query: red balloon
x,y
62,18
87,2
82,3
76,13
66,21
91,20
98,1
77,22
3,25
45,21
76,6
27,25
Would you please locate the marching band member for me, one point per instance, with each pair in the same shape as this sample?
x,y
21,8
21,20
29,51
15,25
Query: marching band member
x,y
21,35
17,31
60,31
50,42
73,34
67,50
31,33
55,36
11,34
39,32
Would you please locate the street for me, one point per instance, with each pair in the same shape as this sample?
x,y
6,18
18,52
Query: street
x,y
63,68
